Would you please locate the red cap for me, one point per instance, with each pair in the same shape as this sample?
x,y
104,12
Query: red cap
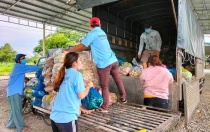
x,y
95,21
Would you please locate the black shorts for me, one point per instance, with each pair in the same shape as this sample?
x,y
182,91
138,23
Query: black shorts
x,y
65,127
156,102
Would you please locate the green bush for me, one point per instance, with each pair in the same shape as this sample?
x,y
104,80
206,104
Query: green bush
x,y
5,69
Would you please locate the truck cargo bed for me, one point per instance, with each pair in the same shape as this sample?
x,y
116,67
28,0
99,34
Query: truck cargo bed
x,y
128,118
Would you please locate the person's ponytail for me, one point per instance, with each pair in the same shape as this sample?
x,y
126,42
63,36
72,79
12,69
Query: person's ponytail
x,y
59,78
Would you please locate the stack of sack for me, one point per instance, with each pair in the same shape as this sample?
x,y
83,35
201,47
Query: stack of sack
x,y
29,86
38,92
89,71
52,67
48,81
125,68
88,68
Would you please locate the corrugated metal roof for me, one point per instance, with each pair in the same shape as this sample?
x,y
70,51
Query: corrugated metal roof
x,y
202,11
60,13
52,12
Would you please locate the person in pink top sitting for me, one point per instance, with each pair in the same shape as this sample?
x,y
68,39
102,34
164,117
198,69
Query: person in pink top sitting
x,y
156,81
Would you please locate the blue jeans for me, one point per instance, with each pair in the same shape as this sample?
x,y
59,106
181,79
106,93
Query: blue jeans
x,y
156,102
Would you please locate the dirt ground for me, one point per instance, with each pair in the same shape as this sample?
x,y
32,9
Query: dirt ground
x,y
199,123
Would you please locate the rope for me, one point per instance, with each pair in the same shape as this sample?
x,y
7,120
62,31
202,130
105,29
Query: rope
x,y
187,57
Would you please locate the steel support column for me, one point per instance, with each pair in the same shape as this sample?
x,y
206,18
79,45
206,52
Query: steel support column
x,y
43,42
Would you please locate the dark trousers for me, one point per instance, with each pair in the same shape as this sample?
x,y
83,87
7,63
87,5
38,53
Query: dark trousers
x,y
65,127
156,102
104,82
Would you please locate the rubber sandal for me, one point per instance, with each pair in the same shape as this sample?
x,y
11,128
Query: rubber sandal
x,y
26,128
102,110
123,101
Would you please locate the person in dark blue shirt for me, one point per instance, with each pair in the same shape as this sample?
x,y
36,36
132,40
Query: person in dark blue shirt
x,y
15,90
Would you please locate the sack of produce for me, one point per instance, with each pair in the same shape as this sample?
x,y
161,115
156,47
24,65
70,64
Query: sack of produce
x,y
93,100
47,80
46,102
59,58
125,68
112,98
49,88
186,74
135,73
49,62
32,83
56,68
28,93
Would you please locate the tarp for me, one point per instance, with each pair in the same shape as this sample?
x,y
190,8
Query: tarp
x,y
190,35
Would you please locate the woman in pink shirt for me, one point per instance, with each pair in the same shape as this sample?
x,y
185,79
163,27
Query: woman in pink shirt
x,y
156,81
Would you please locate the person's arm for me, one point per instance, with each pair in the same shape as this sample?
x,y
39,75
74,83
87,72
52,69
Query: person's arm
x,y
85,44
77,48
171,79
29,68
80,86
141,78
83,94
141,45
159,41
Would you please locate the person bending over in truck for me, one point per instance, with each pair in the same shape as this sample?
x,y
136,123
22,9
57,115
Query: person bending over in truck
x,y
15,90
153,43
70,89
105,60
156,81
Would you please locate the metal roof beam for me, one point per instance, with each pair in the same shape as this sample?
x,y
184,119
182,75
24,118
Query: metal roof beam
x,y
43,13
41,17
28,23
156,19
59,7
65,3
204,4
204,19
151,16
28,3
11,6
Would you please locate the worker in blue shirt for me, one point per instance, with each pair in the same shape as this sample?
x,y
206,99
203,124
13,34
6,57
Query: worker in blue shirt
x,y
104,58
70,89
15,90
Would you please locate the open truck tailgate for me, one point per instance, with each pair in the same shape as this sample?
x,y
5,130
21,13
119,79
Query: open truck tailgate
x,y
128,118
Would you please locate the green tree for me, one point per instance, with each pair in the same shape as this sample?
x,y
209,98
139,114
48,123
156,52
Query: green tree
x,y
7,53
62,38
33,59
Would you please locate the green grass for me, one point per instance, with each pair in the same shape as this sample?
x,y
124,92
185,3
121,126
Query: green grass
x,y
5,69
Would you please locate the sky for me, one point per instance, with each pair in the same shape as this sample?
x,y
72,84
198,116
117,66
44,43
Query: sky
x,y
207,38
23,39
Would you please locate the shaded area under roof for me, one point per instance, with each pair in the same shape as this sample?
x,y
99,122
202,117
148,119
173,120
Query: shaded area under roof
x,y
63,14
201,9
56,12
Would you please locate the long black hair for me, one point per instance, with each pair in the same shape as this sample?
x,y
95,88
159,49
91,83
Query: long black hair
x,y
69,59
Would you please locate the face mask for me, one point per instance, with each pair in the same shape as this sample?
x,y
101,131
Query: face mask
x,y
24,61
147,30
